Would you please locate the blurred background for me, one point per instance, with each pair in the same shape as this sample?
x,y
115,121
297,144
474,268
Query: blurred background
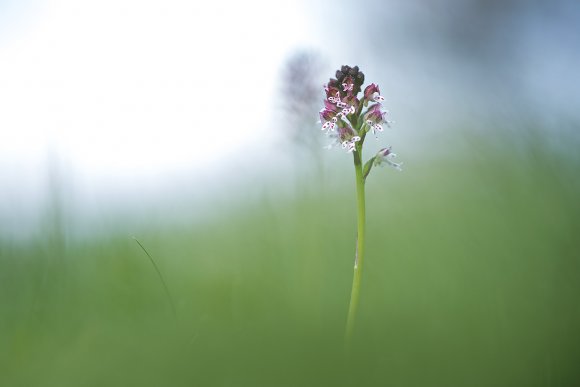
x,y
193,128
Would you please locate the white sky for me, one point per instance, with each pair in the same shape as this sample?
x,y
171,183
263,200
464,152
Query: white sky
x,y
120,95
128,92
133,86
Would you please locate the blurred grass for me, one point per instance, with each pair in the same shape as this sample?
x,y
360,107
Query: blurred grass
x,y
472,279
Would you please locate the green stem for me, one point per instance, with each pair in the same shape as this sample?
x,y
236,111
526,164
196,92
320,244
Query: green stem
x,y
359,257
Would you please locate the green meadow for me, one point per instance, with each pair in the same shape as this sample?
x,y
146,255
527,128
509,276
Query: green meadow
x,y
472,278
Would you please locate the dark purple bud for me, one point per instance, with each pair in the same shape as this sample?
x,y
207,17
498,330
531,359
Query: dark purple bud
x,y
345,69
339,75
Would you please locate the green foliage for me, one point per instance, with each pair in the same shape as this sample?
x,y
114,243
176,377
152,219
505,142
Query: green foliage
x,y
471,280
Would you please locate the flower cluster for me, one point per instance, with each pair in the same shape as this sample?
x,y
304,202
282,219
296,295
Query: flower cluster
x,y
342,117
348,119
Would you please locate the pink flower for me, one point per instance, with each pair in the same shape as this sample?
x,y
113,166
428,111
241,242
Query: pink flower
x,y
386,156
374,117
373,94
348,138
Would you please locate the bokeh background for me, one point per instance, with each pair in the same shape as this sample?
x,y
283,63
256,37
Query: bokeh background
x,y
192,127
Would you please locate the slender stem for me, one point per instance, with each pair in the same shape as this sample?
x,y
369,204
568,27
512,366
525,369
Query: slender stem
x,y
167,293
360,244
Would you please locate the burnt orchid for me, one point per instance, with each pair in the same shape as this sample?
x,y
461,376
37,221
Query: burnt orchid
x,y
347,119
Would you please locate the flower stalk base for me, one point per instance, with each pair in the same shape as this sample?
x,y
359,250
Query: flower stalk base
x,y
360,248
